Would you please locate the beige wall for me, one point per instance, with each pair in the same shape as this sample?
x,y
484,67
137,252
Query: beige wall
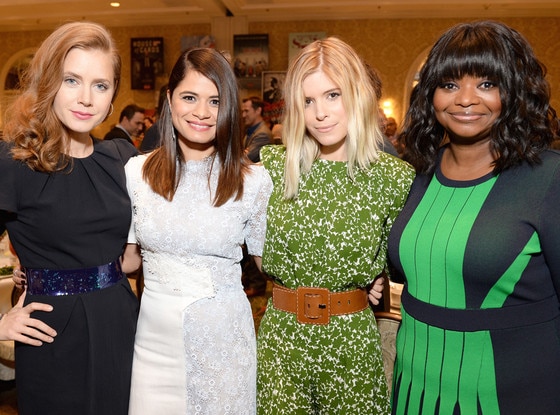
x,y
394,46
14,42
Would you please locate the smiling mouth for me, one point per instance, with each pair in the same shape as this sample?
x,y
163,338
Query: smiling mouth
x,y
325,129
200,127
466,116
82,115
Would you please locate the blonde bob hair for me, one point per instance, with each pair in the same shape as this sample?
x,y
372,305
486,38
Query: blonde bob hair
x,y
338,61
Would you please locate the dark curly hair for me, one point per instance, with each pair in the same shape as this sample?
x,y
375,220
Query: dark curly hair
x,y
525,126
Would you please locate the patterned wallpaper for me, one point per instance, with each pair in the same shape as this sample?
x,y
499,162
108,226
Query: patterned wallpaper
x,y
395,47
16,41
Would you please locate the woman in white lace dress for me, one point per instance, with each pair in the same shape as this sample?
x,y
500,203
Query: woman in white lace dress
x,y
196,201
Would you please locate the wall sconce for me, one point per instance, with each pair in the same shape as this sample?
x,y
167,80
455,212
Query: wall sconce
x,y
388,107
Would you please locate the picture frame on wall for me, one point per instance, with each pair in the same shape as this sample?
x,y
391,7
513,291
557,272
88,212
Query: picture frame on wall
x,y
201,41
297,41
271,86
146,55
271,93
250,59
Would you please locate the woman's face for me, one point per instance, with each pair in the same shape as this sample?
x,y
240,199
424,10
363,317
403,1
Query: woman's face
x,y
467,108
325,116
194,110
84,97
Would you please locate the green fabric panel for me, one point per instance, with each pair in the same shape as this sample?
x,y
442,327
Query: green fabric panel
x,y
488,400
405,347
504,287
472,353
436,219
419,361
451,366
436,339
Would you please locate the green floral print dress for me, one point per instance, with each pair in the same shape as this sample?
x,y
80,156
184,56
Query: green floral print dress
x,y
333,235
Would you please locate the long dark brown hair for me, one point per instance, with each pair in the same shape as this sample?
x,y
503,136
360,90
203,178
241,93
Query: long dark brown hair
x,y
162,168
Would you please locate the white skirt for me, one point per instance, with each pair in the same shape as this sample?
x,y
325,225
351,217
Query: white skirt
x,y
195,349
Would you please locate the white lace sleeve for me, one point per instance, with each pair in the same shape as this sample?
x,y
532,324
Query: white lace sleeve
x,y
133,170
255,229
131,233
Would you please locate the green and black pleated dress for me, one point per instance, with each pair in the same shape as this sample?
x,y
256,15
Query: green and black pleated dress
x,y
481,324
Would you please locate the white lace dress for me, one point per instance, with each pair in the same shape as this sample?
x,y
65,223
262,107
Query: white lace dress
x,y
194,351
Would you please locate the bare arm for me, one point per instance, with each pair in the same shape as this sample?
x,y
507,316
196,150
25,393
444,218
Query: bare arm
x,y
131,259
258,262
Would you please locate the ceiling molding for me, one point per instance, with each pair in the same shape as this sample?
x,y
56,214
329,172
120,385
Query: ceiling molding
x,y
27,15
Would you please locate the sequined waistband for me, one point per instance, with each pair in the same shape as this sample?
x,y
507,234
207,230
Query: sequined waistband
x,y
72,281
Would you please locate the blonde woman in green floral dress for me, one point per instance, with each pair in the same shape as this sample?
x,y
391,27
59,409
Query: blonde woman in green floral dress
x,y
335,198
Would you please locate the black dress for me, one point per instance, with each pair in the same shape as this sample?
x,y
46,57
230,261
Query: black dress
x,y
78,218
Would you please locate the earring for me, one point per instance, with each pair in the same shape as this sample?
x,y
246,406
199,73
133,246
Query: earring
x,y
173,135
111,111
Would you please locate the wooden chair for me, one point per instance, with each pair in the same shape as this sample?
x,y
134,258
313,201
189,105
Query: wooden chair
x,y
8,298
388,325
388,319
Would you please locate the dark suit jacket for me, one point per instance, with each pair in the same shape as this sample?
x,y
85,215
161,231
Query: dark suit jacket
x,y
151,139
253,143
118,132
388,147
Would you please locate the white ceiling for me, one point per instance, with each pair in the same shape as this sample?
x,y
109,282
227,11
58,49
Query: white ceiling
x,y
16,15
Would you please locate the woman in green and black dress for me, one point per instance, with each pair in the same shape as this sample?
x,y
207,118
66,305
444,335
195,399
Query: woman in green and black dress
x,y
334,200
477,241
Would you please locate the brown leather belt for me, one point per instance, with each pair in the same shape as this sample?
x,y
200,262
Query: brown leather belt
x,y
316,305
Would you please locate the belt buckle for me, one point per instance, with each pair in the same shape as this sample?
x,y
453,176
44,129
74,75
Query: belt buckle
x,y
313,305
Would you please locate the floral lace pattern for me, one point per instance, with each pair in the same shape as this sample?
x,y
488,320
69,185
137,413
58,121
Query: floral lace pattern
x,y
191,255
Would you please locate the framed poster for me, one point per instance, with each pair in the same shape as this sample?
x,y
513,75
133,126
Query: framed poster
x,y
250,59
146,55
272,86
297,41
202,41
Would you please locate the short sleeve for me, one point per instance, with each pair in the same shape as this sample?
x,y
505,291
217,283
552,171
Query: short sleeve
x,y
123,147
400,176
255,229
131,239
133,171
273,157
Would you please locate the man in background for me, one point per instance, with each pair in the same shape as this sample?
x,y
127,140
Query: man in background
x,y
391,128
388,146
152,140
258,134
131,124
